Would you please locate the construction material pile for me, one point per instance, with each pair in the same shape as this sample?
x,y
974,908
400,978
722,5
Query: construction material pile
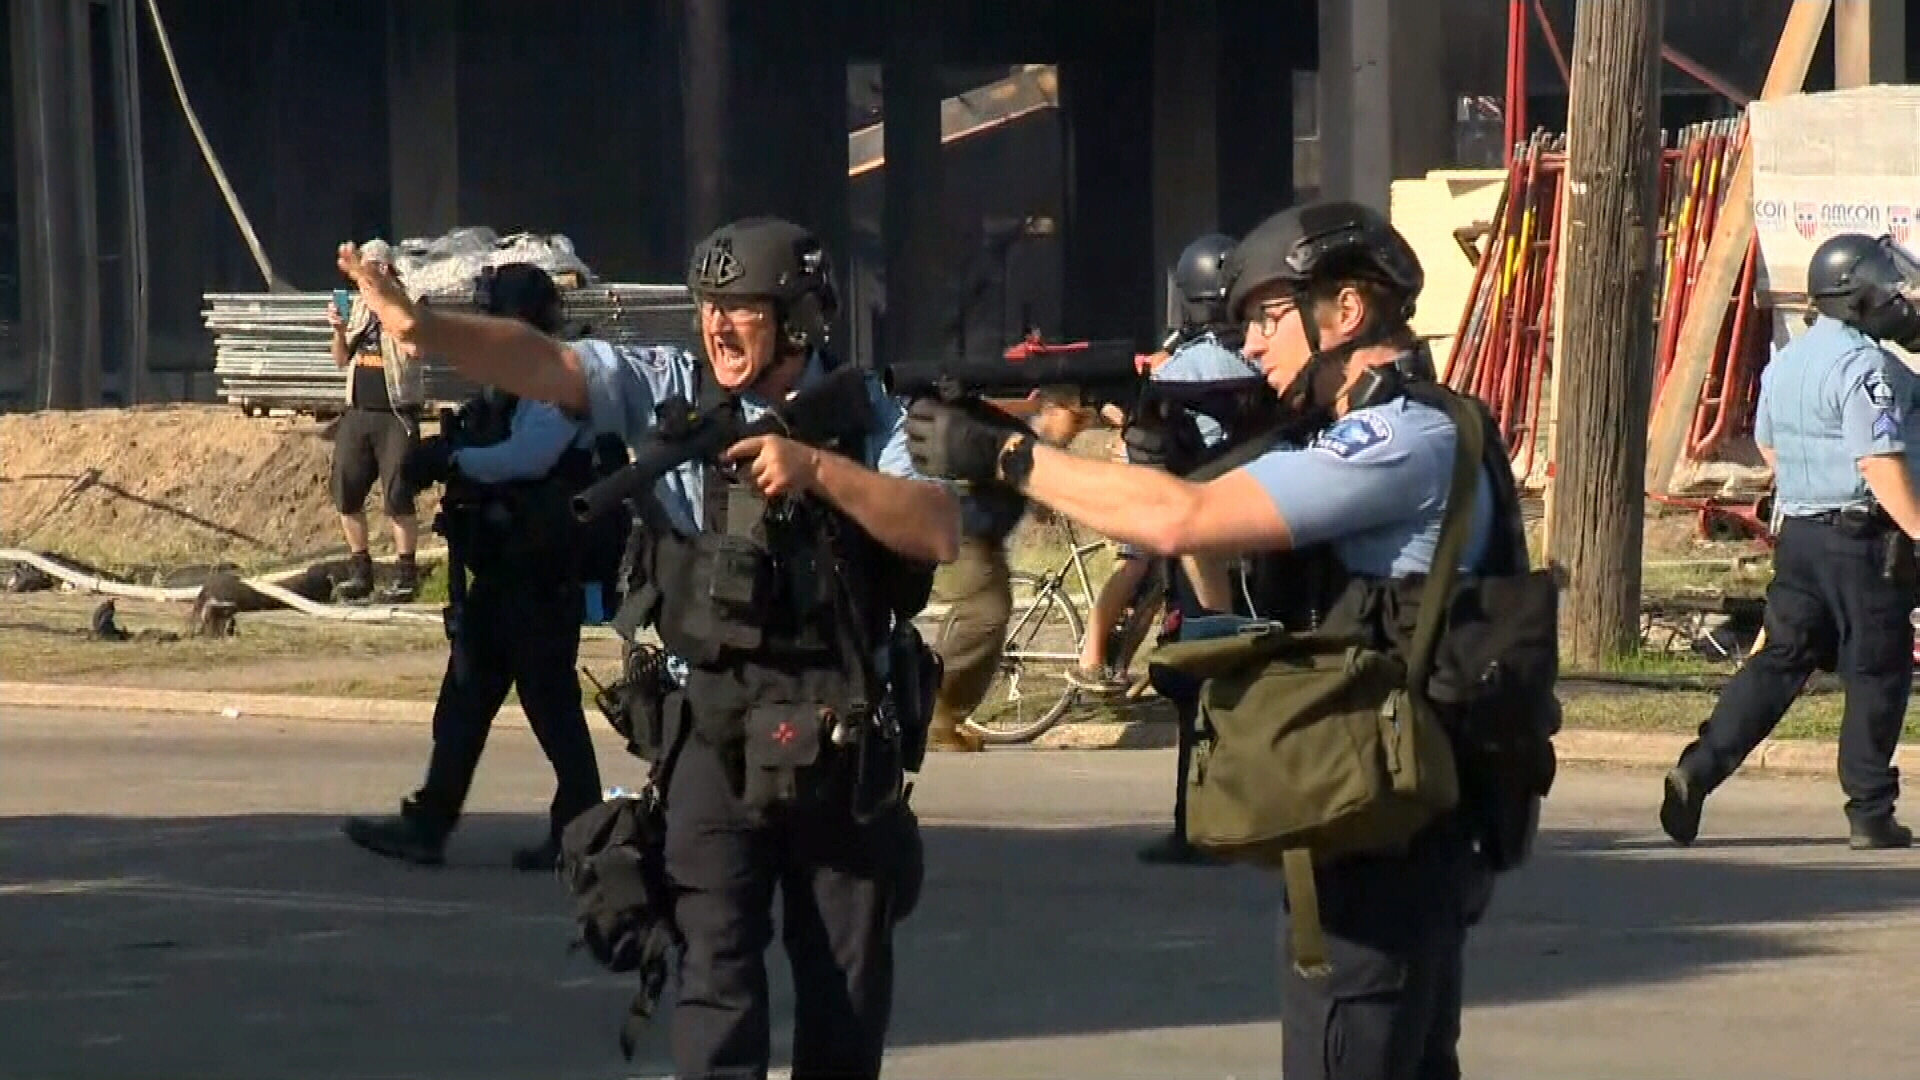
x,y
271,351
1504,348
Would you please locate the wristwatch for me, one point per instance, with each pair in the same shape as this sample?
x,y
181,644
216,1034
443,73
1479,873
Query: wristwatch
x,y
1015,463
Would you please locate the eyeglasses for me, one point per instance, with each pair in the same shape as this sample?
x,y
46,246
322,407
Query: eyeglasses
x,y
1270,316
738,312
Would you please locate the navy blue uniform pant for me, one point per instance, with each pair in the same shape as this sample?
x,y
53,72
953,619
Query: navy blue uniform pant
x,y
523,635
1396,929
1828,609
842,886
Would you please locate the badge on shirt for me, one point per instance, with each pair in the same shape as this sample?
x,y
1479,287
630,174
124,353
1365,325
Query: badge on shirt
x,y
1356,433
1879,391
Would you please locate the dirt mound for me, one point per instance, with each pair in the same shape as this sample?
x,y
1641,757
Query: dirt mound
x,y
159,487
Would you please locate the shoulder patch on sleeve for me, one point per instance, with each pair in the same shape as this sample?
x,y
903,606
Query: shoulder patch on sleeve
x,y
1878,390
1353,435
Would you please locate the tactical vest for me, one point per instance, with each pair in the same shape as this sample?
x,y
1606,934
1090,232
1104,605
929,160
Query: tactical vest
x,y
776,606
525,528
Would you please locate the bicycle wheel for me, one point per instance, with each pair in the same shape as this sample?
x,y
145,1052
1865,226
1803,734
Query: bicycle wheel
x,y
1030,693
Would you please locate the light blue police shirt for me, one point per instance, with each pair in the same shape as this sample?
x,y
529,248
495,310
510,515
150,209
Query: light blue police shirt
x,y
1204,359
537,434
1829,398
626,382
1374,485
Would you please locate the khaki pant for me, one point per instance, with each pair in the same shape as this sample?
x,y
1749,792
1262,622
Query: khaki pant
x,y
977,586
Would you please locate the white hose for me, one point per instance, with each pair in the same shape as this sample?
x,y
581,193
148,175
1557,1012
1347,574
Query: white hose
x,y
266,586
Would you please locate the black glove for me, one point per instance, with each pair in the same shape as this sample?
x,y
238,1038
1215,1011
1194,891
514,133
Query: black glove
x,y
960,441
1173,444
429,462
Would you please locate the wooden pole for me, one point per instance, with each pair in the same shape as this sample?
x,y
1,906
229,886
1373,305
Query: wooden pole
x,y
1613,172
1720,270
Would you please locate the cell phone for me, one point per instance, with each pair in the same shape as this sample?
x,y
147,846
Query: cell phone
x,y
343,302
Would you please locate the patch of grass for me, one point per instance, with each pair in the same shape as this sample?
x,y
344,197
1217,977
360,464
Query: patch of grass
x,y
1681,712
1731,577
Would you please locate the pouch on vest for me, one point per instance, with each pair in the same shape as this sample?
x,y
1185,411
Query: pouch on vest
x,y
1311,746
782,745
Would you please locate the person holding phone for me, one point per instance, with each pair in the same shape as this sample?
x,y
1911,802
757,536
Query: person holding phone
x,y
385,390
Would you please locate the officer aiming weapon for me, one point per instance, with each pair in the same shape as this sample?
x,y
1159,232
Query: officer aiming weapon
x,y
1092,373
683,432
453,522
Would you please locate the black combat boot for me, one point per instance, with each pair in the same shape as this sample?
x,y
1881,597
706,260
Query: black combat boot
x,y
1686,796
1877,833
358,584
408,835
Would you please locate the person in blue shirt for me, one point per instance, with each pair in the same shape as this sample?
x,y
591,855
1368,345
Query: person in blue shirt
x,y
520,627
1837,422
1325,292
768,575
1197,355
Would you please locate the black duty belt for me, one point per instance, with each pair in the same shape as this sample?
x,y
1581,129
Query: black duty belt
x,y
1851,518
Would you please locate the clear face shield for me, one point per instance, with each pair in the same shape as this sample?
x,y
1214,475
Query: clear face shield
x,y
1907,265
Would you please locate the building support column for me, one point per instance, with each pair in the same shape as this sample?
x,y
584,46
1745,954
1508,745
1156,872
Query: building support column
x,y
1385,112
1189,150
1869,42
1113,287
766,118
1256,115
423,95
60,288
913,185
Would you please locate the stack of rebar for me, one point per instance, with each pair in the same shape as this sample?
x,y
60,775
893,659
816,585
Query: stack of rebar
x,y
271,351
1503,351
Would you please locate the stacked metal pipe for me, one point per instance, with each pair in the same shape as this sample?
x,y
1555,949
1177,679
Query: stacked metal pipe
x,y
1504,348
271,350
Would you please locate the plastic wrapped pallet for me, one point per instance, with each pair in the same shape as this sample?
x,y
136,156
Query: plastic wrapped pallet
x,y
448,266
1842,161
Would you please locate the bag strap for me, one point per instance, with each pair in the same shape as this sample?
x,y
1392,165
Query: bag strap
x,y
1455,523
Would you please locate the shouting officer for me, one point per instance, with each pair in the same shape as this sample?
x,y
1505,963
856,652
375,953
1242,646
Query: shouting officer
x,y
1325,292
760,795
1836,421
509,470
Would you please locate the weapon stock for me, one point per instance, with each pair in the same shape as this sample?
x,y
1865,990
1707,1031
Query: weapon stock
x,y
838,403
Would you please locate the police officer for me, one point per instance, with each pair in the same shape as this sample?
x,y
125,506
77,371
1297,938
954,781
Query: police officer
x,y
523,610
1200,346
1325,292
757,792
1836,422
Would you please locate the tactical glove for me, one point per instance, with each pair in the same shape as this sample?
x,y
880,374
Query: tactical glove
x,y
960,441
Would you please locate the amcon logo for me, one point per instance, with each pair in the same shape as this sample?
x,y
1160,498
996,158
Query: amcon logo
x,y
1806,218
1900,222
1850,217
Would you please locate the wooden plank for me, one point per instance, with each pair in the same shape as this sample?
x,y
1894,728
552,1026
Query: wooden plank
x,y
1720,270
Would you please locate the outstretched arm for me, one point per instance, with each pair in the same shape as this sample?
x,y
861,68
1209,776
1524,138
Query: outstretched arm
x,y
494,351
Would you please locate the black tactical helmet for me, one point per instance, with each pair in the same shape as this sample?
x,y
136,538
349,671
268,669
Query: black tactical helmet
x,y
520,291
767,258
1852,274
1324,241
1200,281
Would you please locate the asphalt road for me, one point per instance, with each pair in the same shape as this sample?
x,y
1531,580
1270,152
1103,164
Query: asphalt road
x,y
176,901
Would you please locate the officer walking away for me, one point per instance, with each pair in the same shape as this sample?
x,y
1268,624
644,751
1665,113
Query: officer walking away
x,y
385,392
1325,292
510,468
978,586
1836,422
754,573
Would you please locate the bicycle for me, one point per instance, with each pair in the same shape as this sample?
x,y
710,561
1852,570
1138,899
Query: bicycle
x,y
1030,692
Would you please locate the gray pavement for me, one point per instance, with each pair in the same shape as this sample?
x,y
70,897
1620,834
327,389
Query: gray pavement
x,y
176,901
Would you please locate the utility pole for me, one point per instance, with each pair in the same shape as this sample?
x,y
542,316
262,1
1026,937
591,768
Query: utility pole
x,y
1607,384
